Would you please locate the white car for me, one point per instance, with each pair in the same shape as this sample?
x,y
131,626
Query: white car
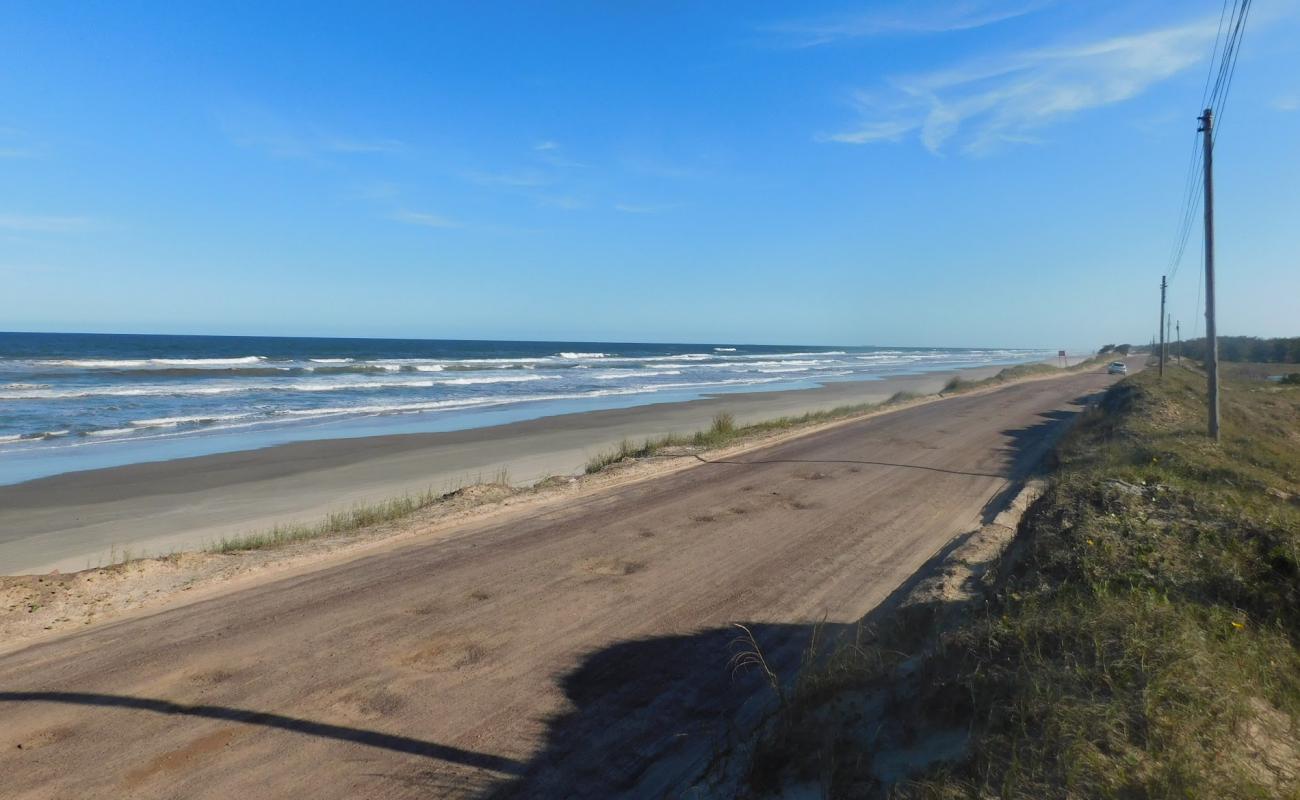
x,y
1117,368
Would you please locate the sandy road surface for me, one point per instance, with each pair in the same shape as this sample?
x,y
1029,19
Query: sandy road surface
x,y
581,652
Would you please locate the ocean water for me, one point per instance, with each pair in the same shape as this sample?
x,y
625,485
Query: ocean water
x,y
78,401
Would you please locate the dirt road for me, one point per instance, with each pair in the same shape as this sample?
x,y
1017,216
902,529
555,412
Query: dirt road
x,y
581,652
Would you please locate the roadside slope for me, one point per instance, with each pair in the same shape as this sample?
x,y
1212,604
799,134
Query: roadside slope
x,y
1137,640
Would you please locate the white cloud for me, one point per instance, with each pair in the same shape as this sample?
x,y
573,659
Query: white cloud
x,y
525,178
1286,102
27,223
16,144
635,208
904,18
426,219
259,129
564,202
547,145
340,145
868,132
988,103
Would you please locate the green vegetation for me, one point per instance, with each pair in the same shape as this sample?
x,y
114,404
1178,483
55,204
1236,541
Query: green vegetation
x,y
365,515
1138,640
1116,349
353,519
724,430
1247,348
1015,373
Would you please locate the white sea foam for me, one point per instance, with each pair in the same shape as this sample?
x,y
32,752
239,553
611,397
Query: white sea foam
x,y
31,437
635,373
200,390
496,379
572,356
725,349
171,422
796,363
109,363
208,362
331,360
95,363
111,432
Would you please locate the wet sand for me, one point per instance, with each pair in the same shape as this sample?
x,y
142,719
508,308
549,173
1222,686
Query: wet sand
x,y
83,519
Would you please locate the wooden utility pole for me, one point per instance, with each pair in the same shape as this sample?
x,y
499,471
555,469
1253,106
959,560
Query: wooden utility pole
x,y
1178,333
1163,284
1211,332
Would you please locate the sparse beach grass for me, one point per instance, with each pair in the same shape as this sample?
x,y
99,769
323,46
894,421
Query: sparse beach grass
x,y
723,431
1138,639
1017,372
357,518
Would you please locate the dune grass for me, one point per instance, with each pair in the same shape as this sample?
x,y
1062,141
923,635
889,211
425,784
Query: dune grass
x,y
352,520
723,431
338,522
1138,641
1017,372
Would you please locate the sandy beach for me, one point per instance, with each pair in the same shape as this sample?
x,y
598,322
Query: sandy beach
x,y
83,519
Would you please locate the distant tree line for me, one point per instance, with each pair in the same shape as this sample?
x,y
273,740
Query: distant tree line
x,y
1246,348
1117,349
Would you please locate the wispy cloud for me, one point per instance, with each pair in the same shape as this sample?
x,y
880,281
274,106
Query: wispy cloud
x,y
641,208
1286,102
564,202
903,18
16,144
988,103
259,129
517,179
27,223
426,220
548,144
341,145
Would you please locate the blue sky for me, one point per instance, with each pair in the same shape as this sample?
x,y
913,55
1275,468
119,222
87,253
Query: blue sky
x,y
961,173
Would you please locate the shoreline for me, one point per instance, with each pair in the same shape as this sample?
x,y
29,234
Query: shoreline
x,y
155,508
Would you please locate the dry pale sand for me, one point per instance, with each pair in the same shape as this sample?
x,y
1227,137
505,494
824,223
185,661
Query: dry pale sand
x,y
83,519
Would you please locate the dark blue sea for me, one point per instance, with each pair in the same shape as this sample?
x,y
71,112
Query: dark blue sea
x,y
78,401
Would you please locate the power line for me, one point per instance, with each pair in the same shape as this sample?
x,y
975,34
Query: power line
x,y
1228,65
1209,70
1225,53
1196,311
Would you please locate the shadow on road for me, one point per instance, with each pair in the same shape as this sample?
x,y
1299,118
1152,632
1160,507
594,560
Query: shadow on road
x,y
386,741
649,716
